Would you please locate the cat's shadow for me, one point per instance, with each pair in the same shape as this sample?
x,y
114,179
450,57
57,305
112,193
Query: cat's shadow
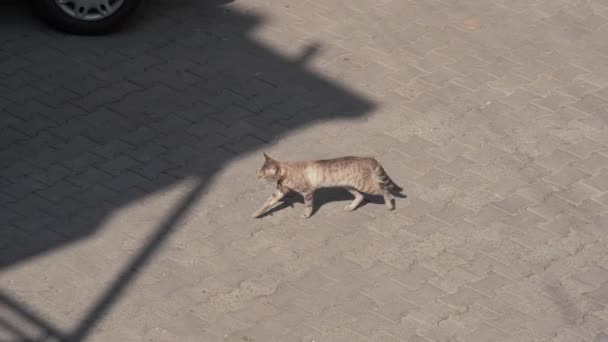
x,y
324,196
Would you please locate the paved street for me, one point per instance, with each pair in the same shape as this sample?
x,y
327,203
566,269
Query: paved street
x,y
128,173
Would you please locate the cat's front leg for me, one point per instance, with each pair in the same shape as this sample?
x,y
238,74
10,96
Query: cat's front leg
x,y
308,204
356,201
272,200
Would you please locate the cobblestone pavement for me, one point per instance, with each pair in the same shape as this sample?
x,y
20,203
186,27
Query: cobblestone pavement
x,y
127,175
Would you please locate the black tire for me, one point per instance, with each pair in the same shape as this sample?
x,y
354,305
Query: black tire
x,y
57,18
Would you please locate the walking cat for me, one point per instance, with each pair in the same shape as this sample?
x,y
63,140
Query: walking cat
x,y
358,175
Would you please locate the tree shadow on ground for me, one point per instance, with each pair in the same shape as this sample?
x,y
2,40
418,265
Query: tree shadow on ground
x,y
91,124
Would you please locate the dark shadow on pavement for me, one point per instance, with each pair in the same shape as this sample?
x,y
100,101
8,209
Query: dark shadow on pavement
x,y
91,124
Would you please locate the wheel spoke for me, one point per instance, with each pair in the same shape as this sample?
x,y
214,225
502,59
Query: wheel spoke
x,y
103,6
89,10
80,11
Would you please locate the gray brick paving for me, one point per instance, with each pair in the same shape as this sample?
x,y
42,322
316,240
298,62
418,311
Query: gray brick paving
x,y
128,173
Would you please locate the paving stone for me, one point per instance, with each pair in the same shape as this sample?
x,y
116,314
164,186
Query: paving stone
x,y
475,79
600,181
452,280
463,297
519,99
439,77
486,216
593,163
434,178
513,203
578,193
485,333
422,295
583,148
566,176
414,209
414,277
452,213
425,227
488,285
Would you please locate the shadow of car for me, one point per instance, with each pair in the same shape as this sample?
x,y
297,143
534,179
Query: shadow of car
x,y
86,16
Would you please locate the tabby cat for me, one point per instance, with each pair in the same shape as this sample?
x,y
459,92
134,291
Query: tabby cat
x,y
358,175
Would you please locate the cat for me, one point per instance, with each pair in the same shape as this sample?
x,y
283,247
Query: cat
x,y
358,175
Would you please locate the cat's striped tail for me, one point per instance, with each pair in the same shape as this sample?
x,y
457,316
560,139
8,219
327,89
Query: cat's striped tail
x,y
385,181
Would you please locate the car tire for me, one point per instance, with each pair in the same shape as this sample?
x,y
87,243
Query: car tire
x,y
86,17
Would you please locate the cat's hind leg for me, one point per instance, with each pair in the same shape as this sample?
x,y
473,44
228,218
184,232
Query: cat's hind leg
x,y
389,201
356,201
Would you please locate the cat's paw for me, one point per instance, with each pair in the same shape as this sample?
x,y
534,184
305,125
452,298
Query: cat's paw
x,y
305,215
257,214
349,208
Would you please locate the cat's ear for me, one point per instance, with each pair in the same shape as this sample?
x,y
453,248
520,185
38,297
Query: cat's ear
x,y
267,158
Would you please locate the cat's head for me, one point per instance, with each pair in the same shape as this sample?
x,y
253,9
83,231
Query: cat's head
x,y
270,170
